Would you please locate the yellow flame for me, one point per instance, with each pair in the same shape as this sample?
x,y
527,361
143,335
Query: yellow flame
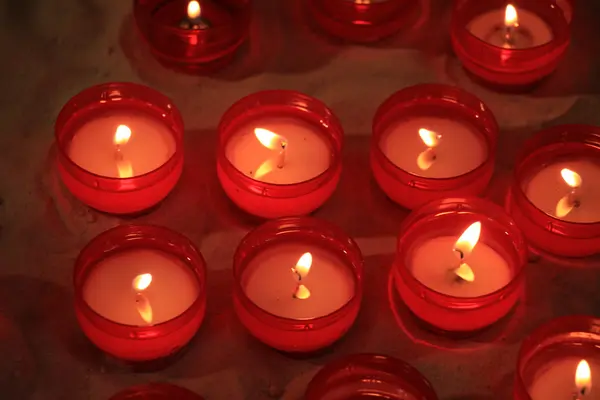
x,y
264,169
144,308
467,241
425,159
583,377
193,9
122,135
141,282
303,265
572,178
465,272
430,138
302,292
511,18
564,206
269,139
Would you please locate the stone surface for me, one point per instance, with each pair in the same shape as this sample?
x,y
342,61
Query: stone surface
x,y
53,49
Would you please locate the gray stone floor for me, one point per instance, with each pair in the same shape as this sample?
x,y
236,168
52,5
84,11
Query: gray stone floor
x,y
53,49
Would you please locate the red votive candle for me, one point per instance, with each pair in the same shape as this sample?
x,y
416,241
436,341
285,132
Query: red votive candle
x,y
430,142
120,147
560,360
513,45
298,283
362,20
459,264
279,153
140,292
156,391
193,36
367,376
555,196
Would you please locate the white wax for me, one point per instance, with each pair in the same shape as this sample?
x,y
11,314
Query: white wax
x,y
270,283
461,149
556,380
434,259
307,153
150,146
108,289
533,31
547,187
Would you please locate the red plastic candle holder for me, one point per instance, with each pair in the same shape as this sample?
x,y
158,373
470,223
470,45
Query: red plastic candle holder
x,y
156,391
274,200
503,66
548,358
361,21
449,218
224,26
131,342
110,194
438,103
566,144
360,376
297,335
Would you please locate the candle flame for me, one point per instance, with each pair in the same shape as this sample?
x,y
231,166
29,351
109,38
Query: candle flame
x,y
430,138
122,135
144,308
467,241
511,18
269,139
141,282
302,292
303,265
193,9
572,178
465,272
583,378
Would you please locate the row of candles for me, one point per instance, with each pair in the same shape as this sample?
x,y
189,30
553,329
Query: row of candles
x,y
298,280
510,44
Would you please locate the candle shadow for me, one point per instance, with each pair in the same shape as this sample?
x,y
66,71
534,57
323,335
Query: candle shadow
x,y
505,330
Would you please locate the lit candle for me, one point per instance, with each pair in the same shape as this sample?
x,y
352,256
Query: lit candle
x,y
434,147
510,28
122,145
279,151
567,378
194,18
288,281
461,267
140,287
567,190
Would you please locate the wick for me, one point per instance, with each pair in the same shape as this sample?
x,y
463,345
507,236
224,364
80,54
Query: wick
x,y
298,275
460,253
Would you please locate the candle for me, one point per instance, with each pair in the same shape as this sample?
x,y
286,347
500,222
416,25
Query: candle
x,y
510,28
435,265
140,287
297,283
139,292
566,378
369,376
434,147
506,45
282,157
181,33
122,145
458,264
432,141
281,151
567,190
119,147
555,195
272,283
560,360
